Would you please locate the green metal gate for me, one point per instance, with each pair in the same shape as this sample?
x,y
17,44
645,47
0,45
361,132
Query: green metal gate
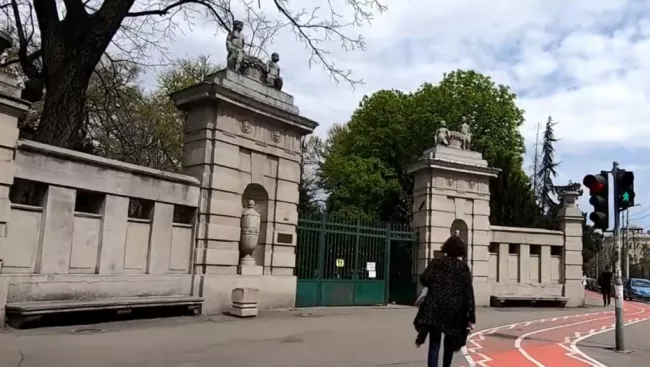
x,y
346,262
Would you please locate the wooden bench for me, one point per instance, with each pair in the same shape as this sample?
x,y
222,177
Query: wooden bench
x,y
18,313
500,301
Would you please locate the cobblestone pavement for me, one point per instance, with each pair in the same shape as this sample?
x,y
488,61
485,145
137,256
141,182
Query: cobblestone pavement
x,y
338,337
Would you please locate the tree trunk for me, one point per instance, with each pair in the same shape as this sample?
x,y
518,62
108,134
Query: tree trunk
x,y
64,110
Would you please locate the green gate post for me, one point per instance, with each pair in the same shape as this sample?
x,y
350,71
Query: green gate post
x,y
355,262
387,264
321,257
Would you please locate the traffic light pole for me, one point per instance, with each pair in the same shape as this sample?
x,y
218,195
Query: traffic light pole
x,y
618,281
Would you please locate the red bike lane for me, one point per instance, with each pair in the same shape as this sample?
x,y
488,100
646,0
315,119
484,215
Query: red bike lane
x,y
548,342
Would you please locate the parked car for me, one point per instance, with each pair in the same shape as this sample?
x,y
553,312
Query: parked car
x,y
637,289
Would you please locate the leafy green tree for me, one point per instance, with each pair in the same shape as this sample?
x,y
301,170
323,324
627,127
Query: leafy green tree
x,y
592,241
366,161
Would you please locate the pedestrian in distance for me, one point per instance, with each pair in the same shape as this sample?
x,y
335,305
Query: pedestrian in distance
x,y
605,284
448,306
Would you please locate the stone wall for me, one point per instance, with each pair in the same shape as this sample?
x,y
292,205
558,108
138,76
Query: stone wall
x,y
82,228
526,262
79,227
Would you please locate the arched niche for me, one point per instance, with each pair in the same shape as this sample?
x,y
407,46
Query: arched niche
x,y
459,228
258,194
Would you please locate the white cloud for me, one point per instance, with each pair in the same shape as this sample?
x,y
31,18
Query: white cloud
x,y
584,62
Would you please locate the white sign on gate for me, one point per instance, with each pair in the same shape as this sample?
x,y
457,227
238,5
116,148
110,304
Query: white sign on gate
x,y
371,266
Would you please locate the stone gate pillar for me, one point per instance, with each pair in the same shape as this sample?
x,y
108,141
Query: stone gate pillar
x,y
570,220
451,190
242,141
11,109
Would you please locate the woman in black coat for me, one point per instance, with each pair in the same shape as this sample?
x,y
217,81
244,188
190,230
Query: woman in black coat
x,y
448,307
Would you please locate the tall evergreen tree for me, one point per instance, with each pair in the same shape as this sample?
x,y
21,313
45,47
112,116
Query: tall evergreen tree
x,y
547,171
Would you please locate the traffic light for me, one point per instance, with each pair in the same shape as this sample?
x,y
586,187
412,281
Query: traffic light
x,y
625,189
599,199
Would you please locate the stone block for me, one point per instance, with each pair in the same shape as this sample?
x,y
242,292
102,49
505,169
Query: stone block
x,y
573,272
56,243
201,117
221,232
287,192
283,272
161,238
8,136
113,235
573,257
196,153
456,155
225,204
226,179
200,172
289,170
6,172
244,302
221,257
250,270
572,243
283,259
227,155
286,213
480,238
259,168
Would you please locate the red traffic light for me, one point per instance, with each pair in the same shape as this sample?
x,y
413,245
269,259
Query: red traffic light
x,y
596,183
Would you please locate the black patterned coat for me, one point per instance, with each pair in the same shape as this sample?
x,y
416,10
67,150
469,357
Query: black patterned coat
x,y
449,303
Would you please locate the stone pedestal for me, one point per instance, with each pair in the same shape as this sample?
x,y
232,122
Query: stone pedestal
x,y
451,191
250,269
244,302
242,142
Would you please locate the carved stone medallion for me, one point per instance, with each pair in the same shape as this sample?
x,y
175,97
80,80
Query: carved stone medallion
x,y
246,127
275,136
450,181
472,183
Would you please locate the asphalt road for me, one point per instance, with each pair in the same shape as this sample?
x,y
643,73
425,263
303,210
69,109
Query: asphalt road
x,y
339,337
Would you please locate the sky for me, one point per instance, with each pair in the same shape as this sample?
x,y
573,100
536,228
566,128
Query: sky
x,y
586,63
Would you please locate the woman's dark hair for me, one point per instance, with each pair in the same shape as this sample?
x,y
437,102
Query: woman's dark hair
x,y
454,246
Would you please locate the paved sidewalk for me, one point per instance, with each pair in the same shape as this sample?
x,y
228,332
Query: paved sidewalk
x,y
637,342
320,337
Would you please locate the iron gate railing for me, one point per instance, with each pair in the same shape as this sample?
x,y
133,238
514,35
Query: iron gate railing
x,y
348,262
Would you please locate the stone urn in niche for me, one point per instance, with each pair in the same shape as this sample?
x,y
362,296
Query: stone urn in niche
x,y
250,233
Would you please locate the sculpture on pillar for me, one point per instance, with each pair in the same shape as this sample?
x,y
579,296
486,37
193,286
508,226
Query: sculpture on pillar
x,y
250,233
235,45
242,63
273,78
442,135
465,135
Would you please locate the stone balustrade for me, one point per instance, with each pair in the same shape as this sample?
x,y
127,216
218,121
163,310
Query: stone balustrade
x,y
83,227
526,261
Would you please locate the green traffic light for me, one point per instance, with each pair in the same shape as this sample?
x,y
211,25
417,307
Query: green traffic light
x,y
626,197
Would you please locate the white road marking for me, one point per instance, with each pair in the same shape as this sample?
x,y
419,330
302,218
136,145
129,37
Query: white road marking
x,y
466,351
577,334
574,344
